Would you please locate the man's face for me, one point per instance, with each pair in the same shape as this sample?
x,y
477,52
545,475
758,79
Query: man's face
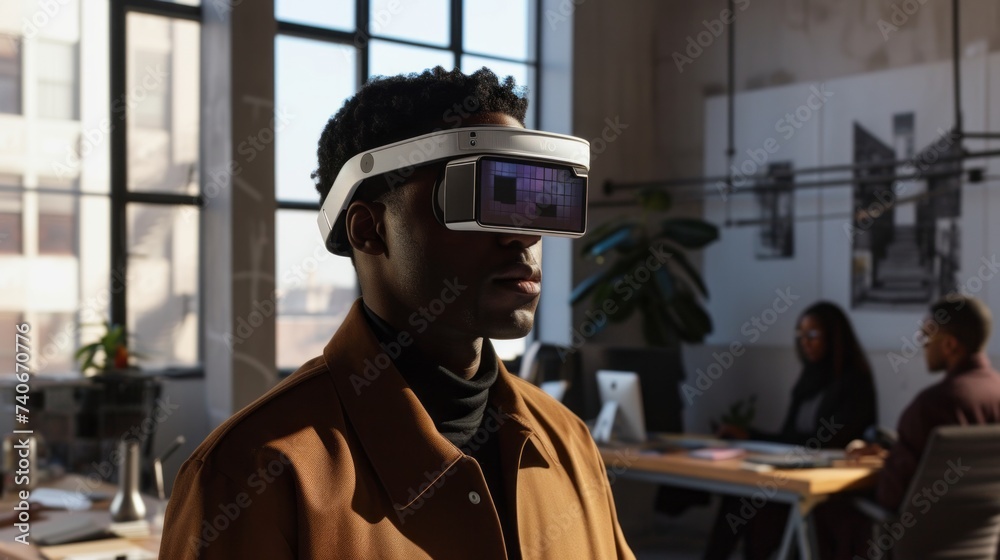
x,y
469,283
933,339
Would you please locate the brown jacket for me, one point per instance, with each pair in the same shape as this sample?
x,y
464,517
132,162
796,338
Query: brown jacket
x,y
968,395
340,461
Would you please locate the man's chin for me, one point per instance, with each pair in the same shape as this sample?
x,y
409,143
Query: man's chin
x,y
516,325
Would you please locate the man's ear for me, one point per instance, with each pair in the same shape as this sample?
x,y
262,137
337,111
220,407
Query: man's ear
x,y
365,228
951,344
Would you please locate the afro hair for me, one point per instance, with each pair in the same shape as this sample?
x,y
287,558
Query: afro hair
x,y
394,108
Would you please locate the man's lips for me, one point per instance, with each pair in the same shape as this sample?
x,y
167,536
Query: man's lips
x,y
523,278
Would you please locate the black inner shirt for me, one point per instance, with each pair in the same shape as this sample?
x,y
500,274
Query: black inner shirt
x,y
458,408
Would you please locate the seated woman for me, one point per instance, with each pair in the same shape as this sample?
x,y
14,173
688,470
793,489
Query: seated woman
x,y
833,402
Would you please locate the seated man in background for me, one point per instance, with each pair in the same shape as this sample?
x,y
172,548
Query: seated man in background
x,y
407,438
956,331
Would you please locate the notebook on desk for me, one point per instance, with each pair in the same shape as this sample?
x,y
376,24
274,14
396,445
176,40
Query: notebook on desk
x,y
70,529
787,456
666,443
789,462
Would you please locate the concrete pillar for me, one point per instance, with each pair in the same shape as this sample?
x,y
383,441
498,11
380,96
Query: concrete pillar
x,y
237,177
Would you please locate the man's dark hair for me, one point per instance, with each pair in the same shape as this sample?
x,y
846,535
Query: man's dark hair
x,y
966,318
390,109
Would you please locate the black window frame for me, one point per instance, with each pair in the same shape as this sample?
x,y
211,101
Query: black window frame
x,y
120,197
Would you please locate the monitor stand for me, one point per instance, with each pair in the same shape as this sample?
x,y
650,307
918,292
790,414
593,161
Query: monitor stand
x,y
605,424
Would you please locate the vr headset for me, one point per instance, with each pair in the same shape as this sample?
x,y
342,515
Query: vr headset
x,y
497,178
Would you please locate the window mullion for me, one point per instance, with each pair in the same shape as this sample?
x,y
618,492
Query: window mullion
x,y
119,162
456,31
362,13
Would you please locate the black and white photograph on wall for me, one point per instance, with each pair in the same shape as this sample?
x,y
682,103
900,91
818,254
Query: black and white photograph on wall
x,y
776,204
906,223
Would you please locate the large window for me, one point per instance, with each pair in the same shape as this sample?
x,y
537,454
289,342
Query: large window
x,y
99,157
62,184
53,162
161,222
324,52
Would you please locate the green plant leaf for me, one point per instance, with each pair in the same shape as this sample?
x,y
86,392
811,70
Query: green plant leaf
x,y
607,228
617,292
85,355
588,285
92,347
668,298
689,318
656,327
626,301
110,340
665,284
690,233
656,200
682,262
618,238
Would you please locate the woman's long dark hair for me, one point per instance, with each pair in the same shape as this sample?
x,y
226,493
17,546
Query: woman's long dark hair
x,y
843,351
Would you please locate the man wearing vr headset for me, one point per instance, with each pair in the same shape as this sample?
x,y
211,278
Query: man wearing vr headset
x,y
408,438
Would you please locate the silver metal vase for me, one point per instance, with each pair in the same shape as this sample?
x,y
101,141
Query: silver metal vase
x,y
127,504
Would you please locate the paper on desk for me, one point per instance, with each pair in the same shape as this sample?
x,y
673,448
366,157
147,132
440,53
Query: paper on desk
x,y
130,529
137,554
59,499
108,549
69,529
717,453
767,447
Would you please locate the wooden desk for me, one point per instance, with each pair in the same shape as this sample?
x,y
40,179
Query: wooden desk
x,y
802,489
13,550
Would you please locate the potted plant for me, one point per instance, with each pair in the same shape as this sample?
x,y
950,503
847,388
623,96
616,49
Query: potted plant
x,y
646,269
119,397
740,414
112,347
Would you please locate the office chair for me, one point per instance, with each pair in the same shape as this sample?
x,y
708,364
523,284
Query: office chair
x,y
964,522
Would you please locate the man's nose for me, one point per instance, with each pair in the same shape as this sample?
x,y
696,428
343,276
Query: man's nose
x,y
508,239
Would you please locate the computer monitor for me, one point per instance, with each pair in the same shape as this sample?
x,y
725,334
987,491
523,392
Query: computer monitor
x,y
555,389
621,416
661,373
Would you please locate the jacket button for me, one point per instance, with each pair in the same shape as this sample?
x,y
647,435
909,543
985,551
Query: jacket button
x,y
474,498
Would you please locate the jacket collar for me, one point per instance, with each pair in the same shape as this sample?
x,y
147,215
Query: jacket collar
x,y
505,397
973,362
397,434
